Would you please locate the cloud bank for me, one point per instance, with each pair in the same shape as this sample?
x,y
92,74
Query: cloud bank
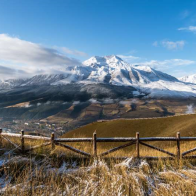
x,y
74,52
166,64
24,57
170,45
190,29
129,58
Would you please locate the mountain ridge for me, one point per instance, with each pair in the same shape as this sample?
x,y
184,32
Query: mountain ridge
x,y
112,70
189,79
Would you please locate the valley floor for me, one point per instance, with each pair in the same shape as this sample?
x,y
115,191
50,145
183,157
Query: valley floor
x,y
60,117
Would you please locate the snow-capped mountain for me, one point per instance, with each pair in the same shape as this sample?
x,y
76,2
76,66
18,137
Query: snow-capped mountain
x,y
11,83
113,70
72,75
189,79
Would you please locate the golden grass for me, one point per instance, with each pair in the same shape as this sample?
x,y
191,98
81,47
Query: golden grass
x,y
101,178
167,126
102,147
19,105
161,177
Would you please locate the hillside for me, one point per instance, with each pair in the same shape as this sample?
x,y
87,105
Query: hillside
x,y
167,126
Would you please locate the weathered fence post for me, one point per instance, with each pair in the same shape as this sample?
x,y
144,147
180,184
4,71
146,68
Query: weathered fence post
x,y
22,141
95,144
178,145
0,137
52,141
137,145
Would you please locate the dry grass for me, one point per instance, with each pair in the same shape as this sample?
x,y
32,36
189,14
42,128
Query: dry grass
x,y
167,126
63,172
102,147
97,177
54,175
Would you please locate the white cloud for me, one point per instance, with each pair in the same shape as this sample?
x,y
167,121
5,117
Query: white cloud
x,y
170,45
21,51
74,52
131,52
93,101
108,100
6,72
190,28
129,58
168,64
20,58
125,102
26,57
76,102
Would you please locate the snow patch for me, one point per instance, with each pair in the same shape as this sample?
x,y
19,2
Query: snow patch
x,y
190,109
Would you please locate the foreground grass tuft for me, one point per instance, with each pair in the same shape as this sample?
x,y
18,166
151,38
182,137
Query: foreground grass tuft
x,y
35,176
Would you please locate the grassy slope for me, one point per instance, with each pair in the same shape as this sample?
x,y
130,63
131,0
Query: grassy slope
x,y
186,124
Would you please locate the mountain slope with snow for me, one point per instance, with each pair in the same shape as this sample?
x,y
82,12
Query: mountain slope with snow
x,y
112,70
11,83
189,79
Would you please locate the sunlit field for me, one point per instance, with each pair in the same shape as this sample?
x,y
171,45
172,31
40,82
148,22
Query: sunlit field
x,y
59,171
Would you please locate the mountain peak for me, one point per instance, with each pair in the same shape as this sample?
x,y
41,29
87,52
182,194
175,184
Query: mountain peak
x,y
95,60
114,71
103,60
113,58
189,79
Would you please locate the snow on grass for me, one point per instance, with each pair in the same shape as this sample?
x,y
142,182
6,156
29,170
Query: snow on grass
x,y
98,177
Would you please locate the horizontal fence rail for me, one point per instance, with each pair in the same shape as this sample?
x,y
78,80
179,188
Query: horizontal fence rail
x,y
129,141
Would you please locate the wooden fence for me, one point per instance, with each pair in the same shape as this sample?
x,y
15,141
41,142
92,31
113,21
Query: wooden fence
x,y
129,141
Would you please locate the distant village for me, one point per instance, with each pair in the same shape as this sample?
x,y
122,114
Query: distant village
x,y
33,127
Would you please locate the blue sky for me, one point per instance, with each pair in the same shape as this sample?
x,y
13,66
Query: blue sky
x,y
159,33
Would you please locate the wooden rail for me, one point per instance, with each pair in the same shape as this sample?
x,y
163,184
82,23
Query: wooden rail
x,y
137,141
